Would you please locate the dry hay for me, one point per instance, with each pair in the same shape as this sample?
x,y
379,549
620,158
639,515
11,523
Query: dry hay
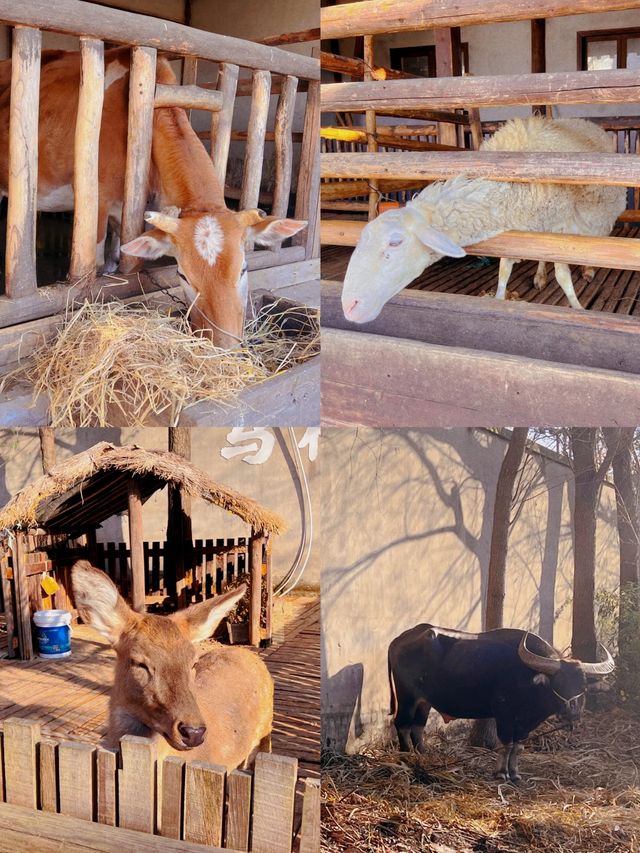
x,y
580,792
112,362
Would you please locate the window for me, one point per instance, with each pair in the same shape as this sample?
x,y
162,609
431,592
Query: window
x,y
421,61
599,50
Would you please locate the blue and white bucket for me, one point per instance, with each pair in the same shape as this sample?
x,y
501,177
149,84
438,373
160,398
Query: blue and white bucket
x,y
53,633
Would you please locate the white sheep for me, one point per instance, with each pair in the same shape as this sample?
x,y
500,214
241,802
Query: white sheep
x,y
397,246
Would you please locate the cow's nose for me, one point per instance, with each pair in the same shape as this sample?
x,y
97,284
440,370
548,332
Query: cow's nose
x,y
351,307
192,735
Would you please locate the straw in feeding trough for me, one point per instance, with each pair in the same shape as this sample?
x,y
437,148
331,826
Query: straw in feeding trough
x,y
112,361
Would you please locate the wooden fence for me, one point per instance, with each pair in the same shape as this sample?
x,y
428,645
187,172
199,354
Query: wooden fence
x,y
195,801
272,71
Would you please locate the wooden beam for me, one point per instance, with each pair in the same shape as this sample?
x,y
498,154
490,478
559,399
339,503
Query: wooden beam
x,y
136,547
372,380
221,122
547,168
255,590
390,140
559,87
620,253
85,168
349,189
187,97
20,264
284,147
353,67
381,16
139,135
75,16
298,37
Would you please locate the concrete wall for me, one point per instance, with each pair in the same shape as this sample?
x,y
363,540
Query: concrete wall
x,y
407,520
274,483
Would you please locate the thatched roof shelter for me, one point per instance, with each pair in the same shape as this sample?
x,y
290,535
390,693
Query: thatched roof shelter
x,y
91,486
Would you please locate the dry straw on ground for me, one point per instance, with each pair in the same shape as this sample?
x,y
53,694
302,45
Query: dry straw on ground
x,y
580,794
111,361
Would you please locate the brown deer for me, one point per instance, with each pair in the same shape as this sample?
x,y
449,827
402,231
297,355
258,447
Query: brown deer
x,y
217,705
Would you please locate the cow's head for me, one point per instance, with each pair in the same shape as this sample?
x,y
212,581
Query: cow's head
x,y
393,249
209,249
566,678
157,660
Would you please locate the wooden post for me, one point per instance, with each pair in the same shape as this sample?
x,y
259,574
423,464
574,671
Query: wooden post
x,y
7,597
20,266
136,546
255,593
308,188
448,65
254,153
538,54
221,122
370,127
189,74
269,583
142,84
85,169
284,146
23,609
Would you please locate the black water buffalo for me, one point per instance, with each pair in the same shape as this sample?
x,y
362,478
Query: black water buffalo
x,y
511,675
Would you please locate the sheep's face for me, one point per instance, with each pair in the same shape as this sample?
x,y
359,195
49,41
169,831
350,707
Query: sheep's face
x,y
392,250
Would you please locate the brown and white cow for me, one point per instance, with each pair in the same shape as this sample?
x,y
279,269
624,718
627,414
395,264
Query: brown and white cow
x,y
216,706
206,238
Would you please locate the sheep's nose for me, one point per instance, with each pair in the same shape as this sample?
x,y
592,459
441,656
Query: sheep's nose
x,y
350,308
192,735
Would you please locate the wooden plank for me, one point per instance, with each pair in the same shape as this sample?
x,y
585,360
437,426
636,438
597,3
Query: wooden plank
x,y
517,167
187,97
255,588
310,827
307,191
343,21
85,169
389,140
254,153
268,580
76,779
21,588
7,597
349,189
75,16
106,786
238,810
136,544
389,382
137,784
25,831
142,83
561,335
610,252
558,87
20,264
172,796
48,776
204,803
21,738
2,791
274,793
354,67
312,34
284,146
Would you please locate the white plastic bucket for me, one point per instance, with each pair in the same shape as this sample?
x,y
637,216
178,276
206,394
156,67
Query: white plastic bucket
x,y
53,633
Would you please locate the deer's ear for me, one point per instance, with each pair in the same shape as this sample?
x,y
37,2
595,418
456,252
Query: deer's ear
x,y
98,601
200,620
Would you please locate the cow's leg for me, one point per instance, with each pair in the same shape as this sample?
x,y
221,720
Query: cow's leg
x,y
512,766
112,259
101,237
419,722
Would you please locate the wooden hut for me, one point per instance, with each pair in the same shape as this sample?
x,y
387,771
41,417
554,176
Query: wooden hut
x,y
53,520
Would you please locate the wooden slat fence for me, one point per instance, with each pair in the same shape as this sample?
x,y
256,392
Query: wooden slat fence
x,y
130,788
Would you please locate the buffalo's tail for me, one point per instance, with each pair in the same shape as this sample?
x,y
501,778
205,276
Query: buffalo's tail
x,y
392,688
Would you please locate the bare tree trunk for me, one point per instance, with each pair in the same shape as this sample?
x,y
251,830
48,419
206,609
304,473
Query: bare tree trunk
x,y
179,530
483,732
47,448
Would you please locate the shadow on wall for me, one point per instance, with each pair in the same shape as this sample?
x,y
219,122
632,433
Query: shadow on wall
x,y
337,729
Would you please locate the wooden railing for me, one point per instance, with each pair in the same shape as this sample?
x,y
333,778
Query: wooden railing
x,y
196,802
24,301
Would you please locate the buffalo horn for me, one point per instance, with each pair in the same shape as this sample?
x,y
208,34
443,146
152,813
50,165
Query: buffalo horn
x,y
601,668
546,665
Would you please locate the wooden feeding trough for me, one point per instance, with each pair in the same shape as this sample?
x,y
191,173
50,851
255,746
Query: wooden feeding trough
x,y
65,508
29,312
443,358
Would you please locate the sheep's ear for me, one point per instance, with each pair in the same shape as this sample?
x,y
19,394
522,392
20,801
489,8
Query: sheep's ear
x,y
438,241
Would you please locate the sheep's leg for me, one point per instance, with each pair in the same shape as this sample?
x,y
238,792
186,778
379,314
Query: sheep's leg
x,y
563,277
506,265
540,278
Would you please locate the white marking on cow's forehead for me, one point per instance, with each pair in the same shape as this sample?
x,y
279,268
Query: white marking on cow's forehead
x,y
115,70
209,239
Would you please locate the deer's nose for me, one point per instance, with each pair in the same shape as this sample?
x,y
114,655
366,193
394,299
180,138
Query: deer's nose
x,y
192,735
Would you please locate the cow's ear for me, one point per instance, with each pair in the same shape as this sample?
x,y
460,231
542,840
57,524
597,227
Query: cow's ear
x,y
150,245
541,679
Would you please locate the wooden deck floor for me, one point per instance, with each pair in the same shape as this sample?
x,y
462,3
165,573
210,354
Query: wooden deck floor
x,y
70,697
616,291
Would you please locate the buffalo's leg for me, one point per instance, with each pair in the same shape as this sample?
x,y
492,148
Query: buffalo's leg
x,y
419,722
512,766
404,736
502,763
